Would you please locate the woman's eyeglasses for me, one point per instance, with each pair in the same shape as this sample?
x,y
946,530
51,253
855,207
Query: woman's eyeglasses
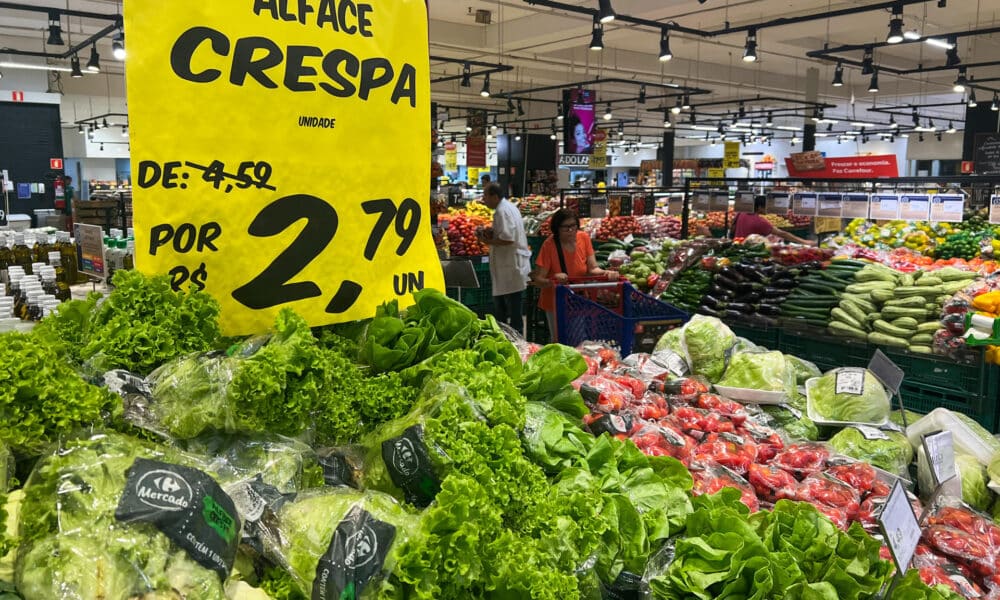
x,y
568,227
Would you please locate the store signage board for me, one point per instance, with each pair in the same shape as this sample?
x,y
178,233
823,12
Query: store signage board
x,y
744,202
884,207
855,206
987,154
914,207
778,203
276,196
720,201
89,241
899,527
994,210
701,201
731,157
805,165
805,204
830,204
947,207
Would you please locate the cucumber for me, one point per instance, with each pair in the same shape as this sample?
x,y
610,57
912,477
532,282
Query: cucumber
x,y
928,281
844,330
868,286
839,314
911,302
850,263
854,310
950,287
928,327
819,302
895,312
882,339
890,329
919,349
908,323
819,288
862,300
923,338
611,247
881,295
906,280
866,275
932,291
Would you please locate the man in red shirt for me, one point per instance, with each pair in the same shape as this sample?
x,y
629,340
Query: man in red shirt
x,y
746,224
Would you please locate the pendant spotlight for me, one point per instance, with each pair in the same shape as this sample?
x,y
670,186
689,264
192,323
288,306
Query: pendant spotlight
x,y
485,92
838,75
868,61
951,55
607,112
750,50
665,53
597,36
55,30
74,64
466,78
94,63
118,46
676,109
960,81
896,25
873,85
605,13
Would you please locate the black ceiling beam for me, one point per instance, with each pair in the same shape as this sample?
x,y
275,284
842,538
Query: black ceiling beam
x,y
487,69
75,49
585,10
61,11
680,89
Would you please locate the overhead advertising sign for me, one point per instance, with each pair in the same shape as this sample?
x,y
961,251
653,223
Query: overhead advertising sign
x,y
451,156
599,158
579,124
275,195
849,167
475,139
731,157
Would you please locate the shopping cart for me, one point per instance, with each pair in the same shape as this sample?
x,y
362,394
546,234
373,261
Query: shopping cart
x,y
612,312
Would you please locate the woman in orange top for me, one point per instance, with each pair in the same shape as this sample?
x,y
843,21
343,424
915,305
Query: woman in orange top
x,y
566,254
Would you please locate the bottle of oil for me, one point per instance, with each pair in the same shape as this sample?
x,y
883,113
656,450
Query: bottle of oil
x,y
67,251
6,260
40,251
62,286
22,253
128,261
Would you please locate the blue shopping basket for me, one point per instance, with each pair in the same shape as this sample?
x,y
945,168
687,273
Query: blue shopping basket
x,y
633,326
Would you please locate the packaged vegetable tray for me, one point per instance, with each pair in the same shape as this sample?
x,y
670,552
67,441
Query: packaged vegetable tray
x,y
847,396
968,436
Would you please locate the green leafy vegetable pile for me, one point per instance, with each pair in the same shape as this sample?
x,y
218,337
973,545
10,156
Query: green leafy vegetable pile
x,y
42,397
894,453
789,552
871,406
768,371
704,341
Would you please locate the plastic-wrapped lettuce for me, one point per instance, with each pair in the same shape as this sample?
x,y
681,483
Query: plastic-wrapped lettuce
x,y
113,518
704,342
888,450
848,395
803,369
975,492
791,420
339,543
768,371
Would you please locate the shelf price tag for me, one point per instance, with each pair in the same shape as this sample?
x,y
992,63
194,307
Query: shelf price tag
x,y
914,207
855,206
778,203
994,210
900,527
947,207
804,204
884,207
830,204
275,195
940,451
744,202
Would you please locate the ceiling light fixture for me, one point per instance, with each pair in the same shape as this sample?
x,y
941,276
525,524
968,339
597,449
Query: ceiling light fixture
x,y
951,127
691,117
597,36
74,63
485,92
642,94
559,112
912,35
868,61
495,125
676,109
770,120
80,129
666,119
118,46
896,25
605,13
940,43
665,53
960,81
607,112
687,102
892,122
750,50
996,103
466,76
972,99
621,128
124,130
94,63
520,108
55,30
951,55
873,85
838,75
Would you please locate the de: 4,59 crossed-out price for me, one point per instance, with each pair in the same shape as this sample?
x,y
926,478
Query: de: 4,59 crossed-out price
x,y
271,286
177,174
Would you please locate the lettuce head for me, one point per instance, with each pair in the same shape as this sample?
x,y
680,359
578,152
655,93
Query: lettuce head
x,y
871,405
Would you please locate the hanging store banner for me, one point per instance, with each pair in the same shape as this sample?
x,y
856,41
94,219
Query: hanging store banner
x,y
731,157
475,141
262,133
812,165
599,158
451,157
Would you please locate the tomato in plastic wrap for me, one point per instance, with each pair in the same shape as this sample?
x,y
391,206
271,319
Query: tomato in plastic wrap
x,y
838,516
636,386
879,488
860,476
802,460
962,548
771,483
969,522
653,407
659,440
692,419
769,442
828,491
711,479
727,450
734,410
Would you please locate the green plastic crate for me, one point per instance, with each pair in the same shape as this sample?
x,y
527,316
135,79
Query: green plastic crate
x,y
537,324
825,350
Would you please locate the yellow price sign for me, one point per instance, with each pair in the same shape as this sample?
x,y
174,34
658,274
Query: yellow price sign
x,y
731,158
261,134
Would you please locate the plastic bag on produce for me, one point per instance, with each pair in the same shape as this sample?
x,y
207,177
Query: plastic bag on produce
x,y
603,394
113,517
603,355
709,479
760,370
617,259
803,369
970,485
340,543
342,466
803,460
771,483
552,440
657,439
968,436
936,570
822,489
769,441
964,535
859,475
848,395
646,367
705,343
699,423
729,450
888,450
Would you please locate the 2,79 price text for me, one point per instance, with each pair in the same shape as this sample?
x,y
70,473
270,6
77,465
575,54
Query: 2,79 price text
x,y
176,174
395,223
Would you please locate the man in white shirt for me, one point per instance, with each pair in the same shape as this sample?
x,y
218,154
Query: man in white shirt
x,y
510,258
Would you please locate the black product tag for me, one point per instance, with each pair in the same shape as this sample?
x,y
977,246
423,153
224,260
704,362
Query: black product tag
x,y
126,384
871,433
336,471
256,502
187,506
625,587
611,424
409,465
850,381
356,554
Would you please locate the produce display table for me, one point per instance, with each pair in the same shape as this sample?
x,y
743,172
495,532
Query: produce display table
x,y
971,387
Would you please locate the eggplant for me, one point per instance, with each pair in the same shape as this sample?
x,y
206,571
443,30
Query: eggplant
x,y
773,292
727,283
709,312
731,273
741,307
769,309
732,315
783,274
720,292
752,272
785,284
751,298
713,302
748,288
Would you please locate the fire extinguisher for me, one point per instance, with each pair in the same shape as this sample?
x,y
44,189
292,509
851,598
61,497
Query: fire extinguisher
x,y
60,193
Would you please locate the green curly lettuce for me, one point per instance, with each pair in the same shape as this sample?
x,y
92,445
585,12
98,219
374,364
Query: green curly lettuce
x,y
893,454
67,329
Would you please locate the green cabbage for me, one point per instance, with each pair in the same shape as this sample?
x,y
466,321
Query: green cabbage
x,y
767,371
872,406
803,369
893,455
707,341
795,427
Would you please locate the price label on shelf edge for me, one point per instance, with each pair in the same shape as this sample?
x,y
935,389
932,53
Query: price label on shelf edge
x,y
855,206
914,207
900,527
804,204
940,451
778,203
744,202
994,210
947,208
884,207
275,194
830,205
